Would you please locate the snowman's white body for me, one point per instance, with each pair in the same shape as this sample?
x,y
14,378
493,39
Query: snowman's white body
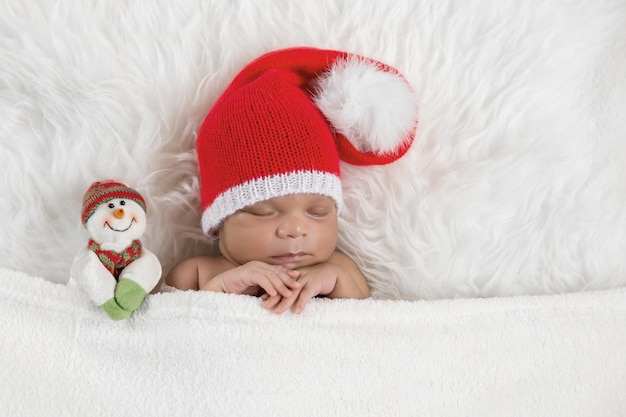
x,y
114,225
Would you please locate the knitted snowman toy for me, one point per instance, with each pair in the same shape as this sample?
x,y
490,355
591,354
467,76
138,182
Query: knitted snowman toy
x,y
114,269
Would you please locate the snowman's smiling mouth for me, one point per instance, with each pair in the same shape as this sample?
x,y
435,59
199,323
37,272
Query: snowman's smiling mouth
x,y
121,230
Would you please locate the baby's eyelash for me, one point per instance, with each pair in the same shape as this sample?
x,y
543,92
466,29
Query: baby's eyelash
x,y
258,212
318,212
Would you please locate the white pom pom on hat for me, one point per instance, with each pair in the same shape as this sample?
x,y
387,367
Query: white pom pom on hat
x,y
372,106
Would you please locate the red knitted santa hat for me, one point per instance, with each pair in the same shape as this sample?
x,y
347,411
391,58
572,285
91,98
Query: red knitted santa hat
x,y
286,120
101,192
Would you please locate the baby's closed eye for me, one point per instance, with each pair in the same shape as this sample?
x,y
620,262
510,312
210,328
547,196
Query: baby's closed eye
x,y
260,211
318,211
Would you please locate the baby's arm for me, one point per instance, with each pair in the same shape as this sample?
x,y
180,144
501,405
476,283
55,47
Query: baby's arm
x,y
191,273
350,280
219,275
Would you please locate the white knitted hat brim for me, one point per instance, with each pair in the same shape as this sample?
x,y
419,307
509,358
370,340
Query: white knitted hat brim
x,y
262,189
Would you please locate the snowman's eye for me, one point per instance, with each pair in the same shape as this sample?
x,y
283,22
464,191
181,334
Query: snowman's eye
x,y
122,203
111,205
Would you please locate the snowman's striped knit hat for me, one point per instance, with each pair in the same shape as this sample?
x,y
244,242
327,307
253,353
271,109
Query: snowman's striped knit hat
x,y
101,192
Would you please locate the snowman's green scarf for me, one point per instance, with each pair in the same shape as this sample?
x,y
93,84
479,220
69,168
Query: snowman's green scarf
x,y
116,261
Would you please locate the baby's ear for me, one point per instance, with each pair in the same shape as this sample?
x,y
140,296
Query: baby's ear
x,y
215,232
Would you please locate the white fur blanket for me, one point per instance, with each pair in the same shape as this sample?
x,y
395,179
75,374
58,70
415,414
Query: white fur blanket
x,y
208,354
503,229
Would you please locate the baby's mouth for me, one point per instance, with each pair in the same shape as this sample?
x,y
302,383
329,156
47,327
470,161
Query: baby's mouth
x,y
121,230
289,257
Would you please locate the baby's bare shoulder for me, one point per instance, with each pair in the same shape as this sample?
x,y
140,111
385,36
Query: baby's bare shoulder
x,y
192,273
341,258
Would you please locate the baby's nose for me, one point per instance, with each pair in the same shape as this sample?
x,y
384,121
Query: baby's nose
x,y
119,213
294,228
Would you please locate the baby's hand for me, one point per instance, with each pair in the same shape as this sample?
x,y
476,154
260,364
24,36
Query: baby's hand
x,y
314,280
253,276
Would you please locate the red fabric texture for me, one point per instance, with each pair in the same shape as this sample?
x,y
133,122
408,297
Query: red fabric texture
x,y
266,123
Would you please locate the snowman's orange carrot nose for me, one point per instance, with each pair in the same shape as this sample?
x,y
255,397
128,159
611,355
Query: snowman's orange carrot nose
x,y
119,213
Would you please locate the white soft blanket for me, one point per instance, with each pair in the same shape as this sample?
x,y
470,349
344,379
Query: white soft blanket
x,y
503,229
207,354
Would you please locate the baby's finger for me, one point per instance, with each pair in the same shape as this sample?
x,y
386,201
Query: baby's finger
x,y
293,273
304,297
285,304
290,279
265,283
283,283
301,304
270,302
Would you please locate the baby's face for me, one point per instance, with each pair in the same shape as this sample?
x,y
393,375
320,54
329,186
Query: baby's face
x,y
293,231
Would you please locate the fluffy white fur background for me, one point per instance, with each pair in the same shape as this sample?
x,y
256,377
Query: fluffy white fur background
x,y
515,184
